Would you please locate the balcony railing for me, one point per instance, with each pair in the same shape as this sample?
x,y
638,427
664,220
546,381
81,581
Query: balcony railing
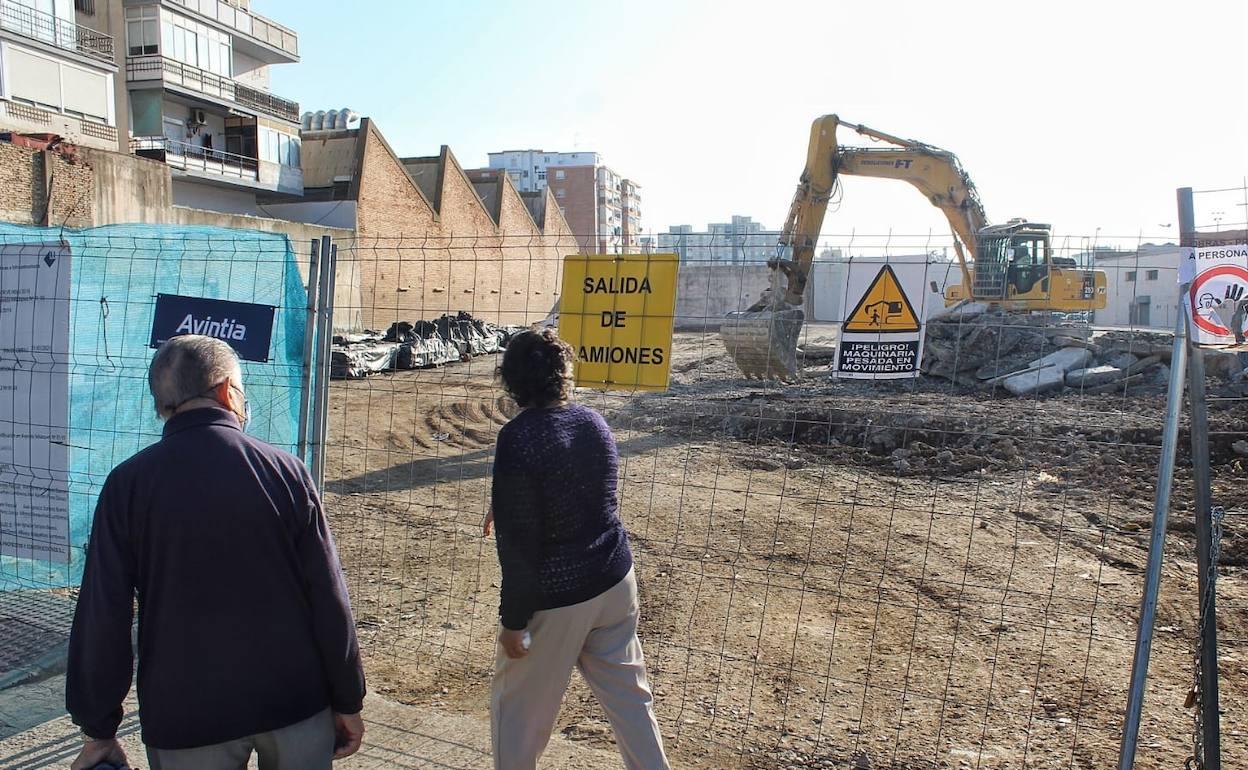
x,y
266,102
38,25
191,157
248,23
204,82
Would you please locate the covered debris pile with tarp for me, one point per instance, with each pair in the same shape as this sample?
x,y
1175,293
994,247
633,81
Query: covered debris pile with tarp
x,y
417,345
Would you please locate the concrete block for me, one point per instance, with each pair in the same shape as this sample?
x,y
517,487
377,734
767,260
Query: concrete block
x,y
1091,377
1065,359
1122,360
1036,381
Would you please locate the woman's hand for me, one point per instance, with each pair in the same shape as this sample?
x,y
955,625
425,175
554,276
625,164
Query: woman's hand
x,y
488,524
513,643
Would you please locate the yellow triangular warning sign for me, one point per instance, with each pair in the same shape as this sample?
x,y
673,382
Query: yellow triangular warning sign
x,y
884,307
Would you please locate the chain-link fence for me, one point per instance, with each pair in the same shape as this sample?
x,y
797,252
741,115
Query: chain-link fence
x,y
939,571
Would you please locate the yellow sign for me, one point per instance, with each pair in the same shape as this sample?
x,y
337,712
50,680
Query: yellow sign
x,y
884,307
617,311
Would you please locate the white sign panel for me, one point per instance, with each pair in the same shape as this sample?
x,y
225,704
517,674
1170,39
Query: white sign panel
x,y
34,400
1217,295
882,333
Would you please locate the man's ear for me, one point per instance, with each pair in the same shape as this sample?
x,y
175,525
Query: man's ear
x,y
222,394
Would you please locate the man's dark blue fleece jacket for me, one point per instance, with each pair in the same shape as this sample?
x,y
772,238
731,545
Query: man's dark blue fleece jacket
x,y
244,621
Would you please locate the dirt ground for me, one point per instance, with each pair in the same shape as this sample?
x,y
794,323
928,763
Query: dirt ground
x,y
832,574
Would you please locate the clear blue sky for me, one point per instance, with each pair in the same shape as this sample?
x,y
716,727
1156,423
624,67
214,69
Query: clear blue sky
x,y
1087,114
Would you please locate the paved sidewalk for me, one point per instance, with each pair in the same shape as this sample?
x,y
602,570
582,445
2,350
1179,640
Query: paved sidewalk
x,y
34,635
397,736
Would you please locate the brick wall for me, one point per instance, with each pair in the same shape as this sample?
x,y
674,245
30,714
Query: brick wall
x,y
417,263
27,176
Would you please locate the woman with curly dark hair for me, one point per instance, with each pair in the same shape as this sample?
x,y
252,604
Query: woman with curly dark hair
x,y
569,597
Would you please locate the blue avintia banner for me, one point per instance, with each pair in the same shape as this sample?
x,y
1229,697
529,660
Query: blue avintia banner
x,y
246,327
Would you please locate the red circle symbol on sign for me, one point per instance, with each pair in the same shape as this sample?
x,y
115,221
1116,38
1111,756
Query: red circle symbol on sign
x,y
1209,322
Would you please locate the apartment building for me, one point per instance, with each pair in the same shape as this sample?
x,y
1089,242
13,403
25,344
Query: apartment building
x,y
738,241
193,79
58,76
602,207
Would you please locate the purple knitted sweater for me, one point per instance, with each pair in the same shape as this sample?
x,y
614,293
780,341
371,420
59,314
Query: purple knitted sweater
x,y
557,526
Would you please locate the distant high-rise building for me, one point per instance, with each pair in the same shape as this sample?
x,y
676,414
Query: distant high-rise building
x,y
739,241
602,208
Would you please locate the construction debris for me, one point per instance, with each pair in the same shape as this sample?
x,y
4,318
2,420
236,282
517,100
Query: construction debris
x,y
1027,355
419,345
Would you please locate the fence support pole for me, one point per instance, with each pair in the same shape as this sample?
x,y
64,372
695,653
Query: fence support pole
x,y
309,333
1210,723
1156,546
322,366
327,313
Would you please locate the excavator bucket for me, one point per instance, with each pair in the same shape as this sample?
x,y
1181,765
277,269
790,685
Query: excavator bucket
x,y
763,343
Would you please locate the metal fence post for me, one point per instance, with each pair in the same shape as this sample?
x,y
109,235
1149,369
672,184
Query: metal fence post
x,y
327,313
306,382
1210,747
1156,546
322,365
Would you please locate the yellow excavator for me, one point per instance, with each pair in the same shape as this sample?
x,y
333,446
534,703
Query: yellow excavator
x,y
1010,266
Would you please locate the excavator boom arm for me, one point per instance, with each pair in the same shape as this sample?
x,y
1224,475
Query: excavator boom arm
x,y
934,172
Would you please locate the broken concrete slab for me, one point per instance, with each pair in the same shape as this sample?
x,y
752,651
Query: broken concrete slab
x,y
1093,376
1065,359
1036,381
1122,360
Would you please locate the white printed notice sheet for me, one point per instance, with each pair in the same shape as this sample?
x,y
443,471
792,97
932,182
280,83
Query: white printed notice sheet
x,y
34,400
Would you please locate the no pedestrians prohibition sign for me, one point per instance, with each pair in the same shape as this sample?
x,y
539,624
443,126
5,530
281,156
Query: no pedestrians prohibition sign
x,y
617,312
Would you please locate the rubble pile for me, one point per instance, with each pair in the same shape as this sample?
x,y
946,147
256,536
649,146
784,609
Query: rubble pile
x,y
418,345
1032,354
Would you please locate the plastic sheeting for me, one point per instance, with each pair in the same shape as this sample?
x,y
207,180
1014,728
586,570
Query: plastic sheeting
x,y
117,271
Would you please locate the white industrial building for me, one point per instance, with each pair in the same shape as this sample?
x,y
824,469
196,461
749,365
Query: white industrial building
x,y
1142,287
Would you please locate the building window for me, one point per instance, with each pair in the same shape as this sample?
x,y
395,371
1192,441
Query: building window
x,y
85,7
559,173
142,31
561,193
1131,277
276,147
547,158
541,175
195,44
1151,275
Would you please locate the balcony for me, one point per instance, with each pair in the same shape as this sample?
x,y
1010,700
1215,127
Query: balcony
x,y
220,167
266,102
255,27
46,28
175,73
189,157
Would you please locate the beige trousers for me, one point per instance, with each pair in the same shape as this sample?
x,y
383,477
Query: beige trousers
x,y
600,638
306,745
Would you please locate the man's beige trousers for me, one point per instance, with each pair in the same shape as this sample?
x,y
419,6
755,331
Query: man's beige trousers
x,y
600,638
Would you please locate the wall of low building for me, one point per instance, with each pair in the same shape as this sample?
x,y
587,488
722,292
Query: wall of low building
x,y
417,263
197,195
104,188
706,293
1133,283
27,176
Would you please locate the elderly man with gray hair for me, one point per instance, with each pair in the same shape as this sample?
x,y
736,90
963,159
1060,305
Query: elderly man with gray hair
x,y
246,641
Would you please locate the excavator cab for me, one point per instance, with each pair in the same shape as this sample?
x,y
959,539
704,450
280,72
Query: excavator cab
x,y
1015,268
1012,260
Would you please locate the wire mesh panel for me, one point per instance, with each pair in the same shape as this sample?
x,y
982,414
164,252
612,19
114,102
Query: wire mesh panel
x,y
116,273
938,571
